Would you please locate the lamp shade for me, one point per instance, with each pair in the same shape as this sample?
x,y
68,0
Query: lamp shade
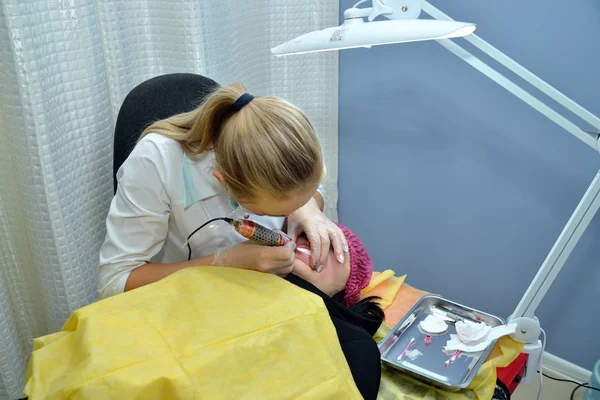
x,y
357,33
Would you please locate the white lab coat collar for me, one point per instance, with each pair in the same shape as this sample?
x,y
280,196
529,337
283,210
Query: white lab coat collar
x,y
198,180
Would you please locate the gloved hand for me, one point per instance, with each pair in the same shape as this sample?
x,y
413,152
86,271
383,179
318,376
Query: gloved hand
x,y
321,232
250,255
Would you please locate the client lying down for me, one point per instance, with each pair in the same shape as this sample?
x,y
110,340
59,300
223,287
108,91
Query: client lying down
x,y
214,332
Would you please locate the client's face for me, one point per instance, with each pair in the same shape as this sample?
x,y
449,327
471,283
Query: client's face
x,y
332,278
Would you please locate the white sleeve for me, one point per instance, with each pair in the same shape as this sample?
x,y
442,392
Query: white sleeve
x,y
137,223
320,190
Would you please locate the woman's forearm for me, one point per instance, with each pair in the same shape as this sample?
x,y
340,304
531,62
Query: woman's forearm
x,y
150,273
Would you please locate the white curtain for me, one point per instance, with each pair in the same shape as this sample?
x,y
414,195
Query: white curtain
x,y
65,67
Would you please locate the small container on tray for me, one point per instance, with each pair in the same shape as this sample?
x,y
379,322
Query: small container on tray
x,y
428,362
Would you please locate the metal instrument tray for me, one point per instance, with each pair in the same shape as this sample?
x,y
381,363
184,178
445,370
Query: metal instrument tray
x,y
429,366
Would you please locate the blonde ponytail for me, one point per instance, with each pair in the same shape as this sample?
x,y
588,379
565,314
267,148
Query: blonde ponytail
x,y
267,146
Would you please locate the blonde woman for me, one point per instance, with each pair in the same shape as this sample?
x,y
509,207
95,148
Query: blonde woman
x,y
235,151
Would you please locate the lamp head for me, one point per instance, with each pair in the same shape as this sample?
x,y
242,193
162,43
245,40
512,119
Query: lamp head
x,y
402,26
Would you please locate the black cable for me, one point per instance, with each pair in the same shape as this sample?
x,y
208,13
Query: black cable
x,y
582,385
228,220
574,390
562,380
579,385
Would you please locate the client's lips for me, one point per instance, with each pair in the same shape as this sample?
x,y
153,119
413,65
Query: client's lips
x,y
303,253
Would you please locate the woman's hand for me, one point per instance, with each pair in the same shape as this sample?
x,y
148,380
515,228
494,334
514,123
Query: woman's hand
x,y
320,231
250,255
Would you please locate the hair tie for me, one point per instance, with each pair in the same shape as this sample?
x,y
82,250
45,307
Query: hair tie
x,y
242,101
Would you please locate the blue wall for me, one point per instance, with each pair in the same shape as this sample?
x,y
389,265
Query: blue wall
x,y
449,178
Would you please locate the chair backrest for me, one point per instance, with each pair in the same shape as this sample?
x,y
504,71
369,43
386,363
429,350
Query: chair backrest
x,y
157,98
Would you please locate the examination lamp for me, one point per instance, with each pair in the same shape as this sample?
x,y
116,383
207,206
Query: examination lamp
x,y
405,27
402,26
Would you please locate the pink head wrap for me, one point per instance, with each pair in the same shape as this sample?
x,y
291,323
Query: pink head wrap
x,y
361,267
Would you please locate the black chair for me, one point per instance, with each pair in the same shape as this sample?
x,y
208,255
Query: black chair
x,y
157,98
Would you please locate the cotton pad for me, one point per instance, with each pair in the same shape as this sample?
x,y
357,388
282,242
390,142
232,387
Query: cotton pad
x,y
433,324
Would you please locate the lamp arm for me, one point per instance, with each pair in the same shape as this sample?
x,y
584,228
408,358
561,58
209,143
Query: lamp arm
x,y
528,327
589,204
516,90
568,238
519,70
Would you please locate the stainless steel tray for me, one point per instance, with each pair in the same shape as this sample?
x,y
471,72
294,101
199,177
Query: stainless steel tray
x,y
429,366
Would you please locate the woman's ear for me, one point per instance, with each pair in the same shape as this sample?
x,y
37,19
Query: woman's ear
x,y
217,174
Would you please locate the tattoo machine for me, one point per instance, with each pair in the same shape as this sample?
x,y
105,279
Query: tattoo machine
x,y
250,230
258,233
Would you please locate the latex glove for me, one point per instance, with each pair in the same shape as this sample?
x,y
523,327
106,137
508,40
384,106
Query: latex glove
x,y
321,232
250,255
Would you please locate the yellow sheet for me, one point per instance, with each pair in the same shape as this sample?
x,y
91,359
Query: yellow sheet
x,y
397,299
174,340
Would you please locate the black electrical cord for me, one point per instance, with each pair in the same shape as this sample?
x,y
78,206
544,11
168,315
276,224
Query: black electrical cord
x,y
582,385
228,220
579,385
